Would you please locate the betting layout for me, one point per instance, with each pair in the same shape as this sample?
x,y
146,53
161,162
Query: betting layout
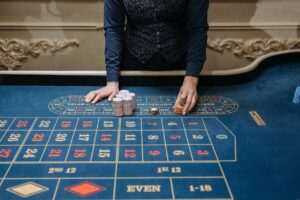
x,y
76,105
111,158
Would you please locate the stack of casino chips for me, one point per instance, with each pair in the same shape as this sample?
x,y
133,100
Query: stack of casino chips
x,y
132,95
296,99
127,105
124,103
117,105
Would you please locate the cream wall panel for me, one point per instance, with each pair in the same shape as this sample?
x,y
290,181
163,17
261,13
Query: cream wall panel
x,y
26,12
255,11
242,21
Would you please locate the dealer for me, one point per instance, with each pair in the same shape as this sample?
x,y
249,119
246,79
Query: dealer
x,y
154,35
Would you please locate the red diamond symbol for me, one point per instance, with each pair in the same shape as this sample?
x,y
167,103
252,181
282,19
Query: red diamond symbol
x,y
152,124
85,189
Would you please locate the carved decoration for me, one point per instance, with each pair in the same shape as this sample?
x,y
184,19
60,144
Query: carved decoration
x,y
14,52
252,49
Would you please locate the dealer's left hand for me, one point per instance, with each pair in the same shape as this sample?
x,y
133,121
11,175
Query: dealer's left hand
x,y
188,93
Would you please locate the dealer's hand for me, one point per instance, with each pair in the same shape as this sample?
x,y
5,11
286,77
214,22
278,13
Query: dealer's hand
x,y
110,91
188,94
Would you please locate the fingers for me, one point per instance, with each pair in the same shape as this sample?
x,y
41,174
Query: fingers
x,y
188,103
97,98
115,92
180,102
96,95
93,97
183,96
194,101
177,100
90,96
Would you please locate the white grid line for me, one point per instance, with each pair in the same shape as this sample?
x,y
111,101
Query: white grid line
x,y
8,129
57,119
111,162
104,130
68,152
220,166
187,139
234,137
98,145
18,151
117,159
165,141
95,138
142,140
56,189
119,178
172,188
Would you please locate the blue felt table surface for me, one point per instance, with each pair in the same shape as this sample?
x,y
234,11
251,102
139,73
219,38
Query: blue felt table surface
x,y
268,158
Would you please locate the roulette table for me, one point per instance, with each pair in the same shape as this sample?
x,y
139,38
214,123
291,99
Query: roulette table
x,y
242,141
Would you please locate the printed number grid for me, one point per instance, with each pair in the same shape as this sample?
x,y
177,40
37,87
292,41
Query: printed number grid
x,y
96,140
133,140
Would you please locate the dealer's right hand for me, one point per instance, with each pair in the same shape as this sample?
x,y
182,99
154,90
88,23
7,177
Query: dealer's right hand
x,y
109,91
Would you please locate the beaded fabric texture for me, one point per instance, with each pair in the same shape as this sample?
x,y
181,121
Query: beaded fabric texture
x,y
156,26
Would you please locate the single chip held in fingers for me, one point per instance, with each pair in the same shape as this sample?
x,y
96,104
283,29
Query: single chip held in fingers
x,y
178,108
177,112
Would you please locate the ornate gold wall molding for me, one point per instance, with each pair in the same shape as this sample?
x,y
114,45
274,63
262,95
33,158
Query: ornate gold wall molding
x,y
252,49
14,52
